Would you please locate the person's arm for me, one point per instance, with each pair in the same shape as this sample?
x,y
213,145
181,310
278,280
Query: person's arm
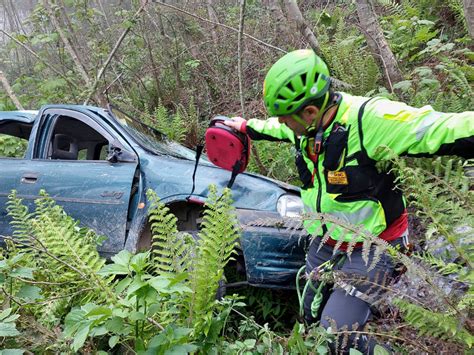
x,y
269,129
423,131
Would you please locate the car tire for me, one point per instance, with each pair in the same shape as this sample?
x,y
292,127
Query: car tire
x,y
221,289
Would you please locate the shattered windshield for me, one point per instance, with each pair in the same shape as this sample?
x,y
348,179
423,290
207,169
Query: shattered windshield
x,y
150,138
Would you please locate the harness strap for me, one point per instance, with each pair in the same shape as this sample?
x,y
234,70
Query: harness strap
x,y
353,291
362,157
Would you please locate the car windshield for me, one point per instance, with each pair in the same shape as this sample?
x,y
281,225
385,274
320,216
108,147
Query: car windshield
x,y
150,138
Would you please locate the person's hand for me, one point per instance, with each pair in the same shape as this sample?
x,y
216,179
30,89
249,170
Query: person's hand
x,y
236,123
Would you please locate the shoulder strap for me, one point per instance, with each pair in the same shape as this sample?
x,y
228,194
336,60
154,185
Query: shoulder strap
x,y
297,142
363,157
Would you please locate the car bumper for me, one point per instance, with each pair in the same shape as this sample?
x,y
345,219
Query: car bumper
x,y
272,254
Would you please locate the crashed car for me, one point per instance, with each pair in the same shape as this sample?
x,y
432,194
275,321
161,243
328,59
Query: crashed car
x,y
98,164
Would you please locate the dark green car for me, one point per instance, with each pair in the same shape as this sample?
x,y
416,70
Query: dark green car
x,y
98,164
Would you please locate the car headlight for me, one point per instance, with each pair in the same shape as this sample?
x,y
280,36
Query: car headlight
x,y
290,206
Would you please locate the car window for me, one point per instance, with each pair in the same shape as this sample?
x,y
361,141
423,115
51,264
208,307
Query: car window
x,y
14,137
72,139
151,139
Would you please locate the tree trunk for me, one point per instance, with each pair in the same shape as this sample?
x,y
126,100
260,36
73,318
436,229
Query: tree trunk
x,y
294,14
9,90
213,17
469,15
67,44
279,20
377,43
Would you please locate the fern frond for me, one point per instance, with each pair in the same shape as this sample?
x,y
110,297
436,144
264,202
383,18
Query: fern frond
x,y
21,218
64,253
170,249
434,324
215,247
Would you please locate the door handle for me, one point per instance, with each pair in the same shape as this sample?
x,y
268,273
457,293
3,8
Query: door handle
x,y
29,178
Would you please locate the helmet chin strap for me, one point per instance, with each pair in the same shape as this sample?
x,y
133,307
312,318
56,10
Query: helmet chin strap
x,y
318,139
318,120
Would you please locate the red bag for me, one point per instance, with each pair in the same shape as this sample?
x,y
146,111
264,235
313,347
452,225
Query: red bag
x,y
226,147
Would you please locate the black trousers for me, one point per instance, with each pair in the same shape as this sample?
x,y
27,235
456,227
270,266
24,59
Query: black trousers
x,y
340,308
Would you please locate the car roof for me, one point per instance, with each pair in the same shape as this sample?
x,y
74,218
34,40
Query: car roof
x,y
26,116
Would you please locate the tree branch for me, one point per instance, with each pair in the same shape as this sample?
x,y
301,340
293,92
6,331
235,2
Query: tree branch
x,y
218,24
29,50
239,54
10,92
112,53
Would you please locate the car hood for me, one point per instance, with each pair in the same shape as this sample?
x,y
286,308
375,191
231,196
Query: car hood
x,y
171,178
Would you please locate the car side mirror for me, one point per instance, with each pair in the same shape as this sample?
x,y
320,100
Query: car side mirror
x,y
116,154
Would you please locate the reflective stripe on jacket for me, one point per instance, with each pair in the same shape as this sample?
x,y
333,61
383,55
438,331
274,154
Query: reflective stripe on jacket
x,y
346,183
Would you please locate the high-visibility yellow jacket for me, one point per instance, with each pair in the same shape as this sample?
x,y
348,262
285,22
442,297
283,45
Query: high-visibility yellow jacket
x,y
344,181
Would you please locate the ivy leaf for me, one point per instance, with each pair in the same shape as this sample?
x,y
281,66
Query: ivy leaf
x,y
135,286
380,350
159,283
116,325
29,292
122,285
113,340
404,85
139,262
98,331
181,349
5,313
80,337
134,316
23,272
99,311
12,352
114,269
8,329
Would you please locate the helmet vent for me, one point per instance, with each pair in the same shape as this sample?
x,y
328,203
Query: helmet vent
x,y
290,86
316,76
299,97
303,78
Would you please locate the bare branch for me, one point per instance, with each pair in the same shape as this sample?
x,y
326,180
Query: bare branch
x,y
295,14
67,44
29,50
112,53
239,54
218,24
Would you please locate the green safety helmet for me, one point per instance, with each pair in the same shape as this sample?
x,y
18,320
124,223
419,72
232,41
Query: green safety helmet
x,y
295,79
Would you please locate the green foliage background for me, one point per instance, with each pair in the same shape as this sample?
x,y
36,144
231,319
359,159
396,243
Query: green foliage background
x,y
175,76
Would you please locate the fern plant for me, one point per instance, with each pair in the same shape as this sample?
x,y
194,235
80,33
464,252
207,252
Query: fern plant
x,y
343,49
60,251
435,324
171,250
200,264
216,245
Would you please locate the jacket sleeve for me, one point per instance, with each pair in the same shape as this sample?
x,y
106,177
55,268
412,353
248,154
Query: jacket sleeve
x,y
269,129
423,131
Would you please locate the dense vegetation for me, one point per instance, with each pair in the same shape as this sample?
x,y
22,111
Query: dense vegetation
x,y
169,65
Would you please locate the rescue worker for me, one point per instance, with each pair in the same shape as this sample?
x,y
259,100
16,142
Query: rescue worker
x,y
338,139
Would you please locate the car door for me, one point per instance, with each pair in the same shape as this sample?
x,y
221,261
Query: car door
x,y
15,129
70,164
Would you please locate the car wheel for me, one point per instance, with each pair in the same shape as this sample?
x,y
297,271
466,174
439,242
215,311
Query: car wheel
x,y
221,289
